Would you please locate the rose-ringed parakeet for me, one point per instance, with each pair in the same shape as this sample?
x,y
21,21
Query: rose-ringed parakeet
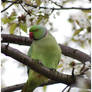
x,y
45,49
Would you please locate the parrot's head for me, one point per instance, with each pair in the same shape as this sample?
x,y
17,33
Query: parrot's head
x,y
37,32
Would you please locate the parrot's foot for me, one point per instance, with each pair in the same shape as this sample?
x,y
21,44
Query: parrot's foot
x,y
40,63
52,69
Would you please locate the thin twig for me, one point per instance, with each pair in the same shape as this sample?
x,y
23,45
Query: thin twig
x,y
25,10
69,89
83,67
65,88
83,72
56,4
61,8
12,2
7,7
53,8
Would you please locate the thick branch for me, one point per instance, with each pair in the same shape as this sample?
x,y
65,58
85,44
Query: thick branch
x,y
21,40
67,51
14,53
20,86
12,88
74,53
58,77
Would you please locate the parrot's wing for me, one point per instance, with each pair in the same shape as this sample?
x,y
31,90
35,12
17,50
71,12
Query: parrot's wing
x,y
29,54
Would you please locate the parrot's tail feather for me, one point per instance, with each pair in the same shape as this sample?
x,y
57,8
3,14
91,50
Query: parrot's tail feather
x,y
35,79
28,88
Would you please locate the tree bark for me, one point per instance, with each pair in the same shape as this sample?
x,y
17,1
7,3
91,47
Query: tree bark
x,y
67,51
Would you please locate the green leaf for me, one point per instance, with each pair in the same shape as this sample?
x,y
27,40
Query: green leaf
x,y
23,26
12,18
12,28
82,44
89,29
74,40
44,88
89,41
70,20
77,31
6,20
89,17
39,19
78,22
9,19
59,66
38,2
87,11
13,14
3,4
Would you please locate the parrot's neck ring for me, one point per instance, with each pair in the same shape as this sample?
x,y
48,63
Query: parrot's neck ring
x,y
44,34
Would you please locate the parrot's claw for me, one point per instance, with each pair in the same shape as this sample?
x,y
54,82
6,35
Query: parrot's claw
x,y
40,63
52,69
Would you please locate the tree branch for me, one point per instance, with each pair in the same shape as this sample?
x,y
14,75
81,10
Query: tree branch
x,y
22,58
42,7
74,53
21,40
54,75
20,86
25,10
7,7
12,3
12,88
67,51
61,8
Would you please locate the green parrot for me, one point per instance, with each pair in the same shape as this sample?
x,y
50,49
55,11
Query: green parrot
x,y
45,49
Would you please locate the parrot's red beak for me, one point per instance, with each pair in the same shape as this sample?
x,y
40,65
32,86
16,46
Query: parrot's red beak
x,y
31,35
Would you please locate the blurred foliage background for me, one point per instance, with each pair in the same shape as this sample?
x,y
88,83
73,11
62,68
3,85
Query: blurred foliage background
x,y
18,15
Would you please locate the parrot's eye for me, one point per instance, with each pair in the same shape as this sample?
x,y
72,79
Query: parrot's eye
x,y
31,35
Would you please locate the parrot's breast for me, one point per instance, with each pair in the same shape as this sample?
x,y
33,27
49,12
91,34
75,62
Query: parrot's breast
x,y
47,51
